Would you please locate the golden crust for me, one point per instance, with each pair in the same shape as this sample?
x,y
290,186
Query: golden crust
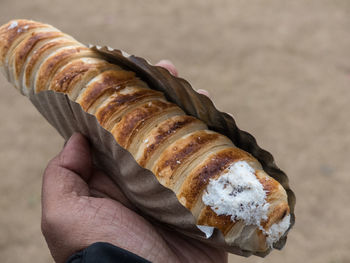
x,y
54,62
276,196
119,102
21,52
133,121
107,82
209,218
177,148
39,55
12,31
161,134
183,151
80,71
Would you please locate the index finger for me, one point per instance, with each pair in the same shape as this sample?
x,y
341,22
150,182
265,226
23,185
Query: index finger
x,y
68,172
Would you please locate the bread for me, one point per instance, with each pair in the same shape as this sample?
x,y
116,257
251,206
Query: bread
x,y
222,185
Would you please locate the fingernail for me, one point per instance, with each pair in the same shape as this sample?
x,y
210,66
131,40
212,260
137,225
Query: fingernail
x,y
204,92
165,63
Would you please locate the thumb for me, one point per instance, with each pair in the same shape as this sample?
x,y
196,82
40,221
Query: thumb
x,y
68,172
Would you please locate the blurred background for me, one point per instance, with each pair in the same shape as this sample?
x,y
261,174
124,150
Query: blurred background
x,y
282,68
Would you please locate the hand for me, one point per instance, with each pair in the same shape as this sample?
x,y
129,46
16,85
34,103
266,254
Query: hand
x,y
81,206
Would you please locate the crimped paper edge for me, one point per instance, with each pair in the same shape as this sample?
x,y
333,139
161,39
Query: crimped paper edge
x,y
201,107
179,91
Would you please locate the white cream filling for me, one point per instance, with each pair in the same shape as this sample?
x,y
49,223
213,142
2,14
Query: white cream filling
x,y
239,194
277,230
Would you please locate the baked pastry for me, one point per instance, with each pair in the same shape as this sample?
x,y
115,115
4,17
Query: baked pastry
x,y
222,185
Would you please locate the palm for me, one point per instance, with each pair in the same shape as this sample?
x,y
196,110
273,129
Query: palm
x,y
120,221
82,206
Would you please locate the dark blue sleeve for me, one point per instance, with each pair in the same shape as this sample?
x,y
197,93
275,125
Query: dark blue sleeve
x,y
105,253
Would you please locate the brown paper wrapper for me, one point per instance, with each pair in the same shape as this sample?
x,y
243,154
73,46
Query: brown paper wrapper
x,y
140,185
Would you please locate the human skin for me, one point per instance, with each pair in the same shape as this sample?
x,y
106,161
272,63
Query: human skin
x,y
81,206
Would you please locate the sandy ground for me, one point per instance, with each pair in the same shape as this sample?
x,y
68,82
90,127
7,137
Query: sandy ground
x,y
282,68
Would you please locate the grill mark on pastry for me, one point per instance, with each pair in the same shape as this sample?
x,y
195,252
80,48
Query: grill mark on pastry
x,y
51,65
46,49
13,46
121,101
10,34
126,109
187,169
65,80
165,131
134,120
146,134
214,165
172,161
110,82
167,110
28,45
209,218
23,79
21,38
278,212
108,91
269,184
103,99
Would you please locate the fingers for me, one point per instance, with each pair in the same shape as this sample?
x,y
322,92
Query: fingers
x,y
76,156
167,64
204,92
71,172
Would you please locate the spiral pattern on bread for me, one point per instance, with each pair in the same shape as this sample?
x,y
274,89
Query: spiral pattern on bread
x,y
180,150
